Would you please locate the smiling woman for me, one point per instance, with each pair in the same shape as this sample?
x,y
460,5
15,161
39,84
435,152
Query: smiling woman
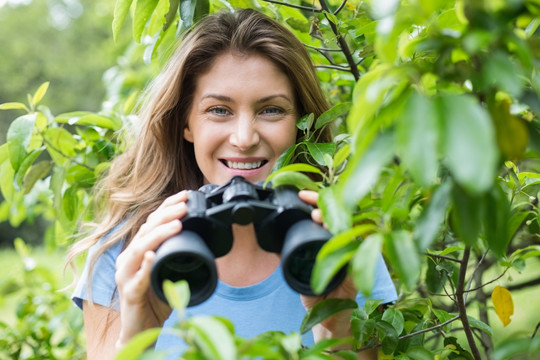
x,y
241,127
226,104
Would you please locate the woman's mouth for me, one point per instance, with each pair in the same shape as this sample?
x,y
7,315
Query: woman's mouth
x,y
241,165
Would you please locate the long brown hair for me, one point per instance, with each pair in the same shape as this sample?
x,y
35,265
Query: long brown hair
x,y
160,162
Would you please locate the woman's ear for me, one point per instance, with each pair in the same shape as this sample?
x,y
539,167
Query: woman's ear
x,y
188,135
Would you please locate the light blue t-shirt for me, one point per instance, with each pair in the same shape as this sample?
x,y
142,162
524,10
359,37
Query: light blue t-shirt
x,y
270,305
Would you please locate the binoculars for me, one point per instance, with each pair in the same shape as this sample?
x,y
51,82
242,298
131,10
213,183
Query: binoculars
x,y
282,225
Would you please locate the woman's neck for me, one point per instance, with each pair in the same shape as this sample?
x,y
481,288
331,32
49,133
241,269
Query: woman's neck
x,y
246,263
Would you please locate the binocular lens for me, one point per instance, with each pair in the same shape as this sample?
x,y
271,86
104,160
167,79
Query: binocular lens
x,y
300,248
185,257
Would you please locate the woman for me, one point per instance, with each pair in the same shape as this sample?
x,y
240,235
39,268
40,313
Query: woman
x,y
226,104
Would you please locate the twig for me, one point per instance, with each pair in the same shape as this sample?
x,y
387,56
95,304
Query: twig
x,y
489,282
524,285
461,304
319,49
429,329
342,43
535,330
443,257
66,156
335,67
299,7
340,7
473,273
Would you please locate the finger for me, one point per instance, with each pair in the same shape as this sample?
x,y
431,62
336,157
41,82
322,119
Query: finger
x,y
162,216
130,260
182,196
309,196
316,215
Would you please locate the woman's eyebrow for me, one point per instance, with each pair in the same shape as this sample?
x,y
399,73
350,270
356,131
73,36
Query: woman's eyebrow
x,y
217,97
271,97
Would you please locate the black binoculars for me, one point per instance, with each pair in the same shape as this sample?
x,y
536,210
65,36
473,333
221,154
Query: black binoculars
x,y
282,224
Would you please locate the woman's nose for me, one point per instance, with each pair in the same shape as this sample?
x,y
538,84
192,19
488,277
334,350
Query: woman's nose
x,y
245,134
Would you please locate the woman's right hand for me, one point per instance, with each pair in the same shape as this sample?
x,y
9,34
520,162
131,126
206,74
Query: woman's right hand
x,y
140,308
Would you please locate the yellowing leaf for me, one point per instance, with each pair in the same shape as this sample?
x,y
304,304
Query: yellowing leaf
x,y
504,306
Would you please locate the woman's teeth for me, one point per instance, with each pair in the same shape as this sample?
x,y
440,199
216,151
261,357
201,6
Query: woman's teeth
x,y
244,165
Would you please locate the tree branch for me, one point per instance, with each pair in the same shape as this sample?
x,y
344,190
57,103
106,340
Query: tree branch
x,y
461,304
335,67
443,257
340,7
299,7
342,43
526,284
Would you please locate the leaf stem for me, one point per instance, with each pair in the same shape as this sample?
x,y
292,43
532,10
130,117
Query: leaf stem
x,y
299,7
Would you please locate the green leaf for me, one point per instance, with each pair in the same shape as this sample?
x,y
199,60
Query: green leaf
x,y
38,171
480,325
389,336
13,106
213,338
395,318
497,213
138,344
177,295
305,122
466,215
25,165
158,18
362,330
301,181
121,9
18,137
85,118
332,114
325,309
419,353
363,172
171,15
364,263
332,257
431,220
469,147
319,150
143,11
192,10
418,131
341,155
403,256
60,143
336,216
500,71
40,93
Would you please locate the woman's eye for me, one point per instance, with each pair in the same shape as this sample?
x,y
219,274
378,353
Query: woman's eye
x,y
273,110
219,111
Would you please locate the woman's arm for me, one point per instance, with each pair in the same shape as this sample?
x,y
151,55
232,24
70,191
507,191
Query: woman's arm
x,y
102,326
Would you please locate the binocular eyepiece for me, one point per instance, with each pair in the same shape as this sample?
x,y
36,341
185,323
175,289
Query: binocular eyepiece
x,y
282,224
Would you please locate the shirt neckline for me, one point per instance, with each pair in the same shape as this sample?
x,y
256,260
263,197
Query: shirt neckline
x,y
251,292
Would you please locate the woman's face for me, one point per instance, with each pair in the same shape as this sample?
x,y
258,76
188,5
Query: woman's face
x,y
242,118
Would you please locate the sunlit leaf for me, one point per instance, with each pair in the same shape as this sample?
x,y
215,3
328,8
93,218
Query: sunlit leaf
x,y
177,294
40,93
13,106
138,344
503,304
213,338
143,11
301,181
18,137
395,318
121,9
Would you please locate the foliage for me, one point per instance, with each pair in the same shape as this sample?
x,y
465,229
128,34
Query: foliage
x,y
436,164
47,326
